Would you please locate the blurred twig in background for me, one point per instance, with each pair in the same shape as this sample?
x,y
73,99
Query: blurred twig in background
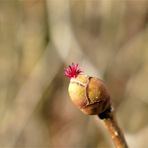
x,y
38,37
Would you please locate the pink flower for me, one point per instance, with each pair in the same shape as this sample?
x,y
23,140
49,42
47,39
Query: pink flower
x,y
72,71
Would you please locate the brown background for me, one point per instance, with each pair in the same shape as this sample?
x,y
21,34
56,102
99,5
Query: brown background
x,y
38,38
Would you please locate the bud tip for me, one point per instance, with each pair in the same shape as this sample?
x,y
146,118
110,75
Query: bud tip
x,y
72,71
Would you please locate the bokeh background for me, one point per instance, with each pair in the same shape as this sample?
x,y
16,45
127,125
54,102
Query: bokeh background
x,y
38,38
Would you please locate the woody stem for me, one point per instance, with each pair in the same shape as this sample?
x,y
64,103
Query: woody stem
x,y
113,128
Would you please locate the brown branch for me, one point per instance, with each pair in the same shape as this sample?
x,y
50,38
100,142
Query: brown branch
x,y
112,126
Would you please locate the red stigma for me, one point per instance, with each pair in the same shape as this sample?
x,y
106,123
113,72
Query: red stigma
x,y
72,71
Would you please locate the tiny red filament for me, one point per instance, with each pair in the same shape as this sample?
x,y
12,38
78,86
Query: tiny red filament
x,y
72,71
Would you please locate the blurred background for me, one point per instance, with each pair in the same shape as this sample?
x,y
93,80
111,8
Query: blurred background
x,y
39,38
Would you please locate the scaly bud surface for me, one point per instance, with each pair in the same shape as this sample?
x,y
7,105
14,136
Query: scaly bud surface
x,y
89,94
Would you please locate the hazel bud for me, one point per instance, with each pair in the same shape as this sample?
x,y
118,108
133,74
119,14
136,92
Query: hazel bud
x,y
89,94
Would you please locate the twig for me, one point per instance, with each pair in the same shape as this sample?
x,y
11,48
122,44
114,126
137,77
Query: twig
x,y
113,128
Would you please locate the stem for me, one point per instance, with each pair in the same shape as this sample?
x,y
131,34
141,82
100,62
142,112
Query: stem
x,y
112,126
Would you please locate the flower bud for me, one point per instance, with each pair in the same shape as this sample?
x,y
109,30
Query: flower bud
x,y
89,94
